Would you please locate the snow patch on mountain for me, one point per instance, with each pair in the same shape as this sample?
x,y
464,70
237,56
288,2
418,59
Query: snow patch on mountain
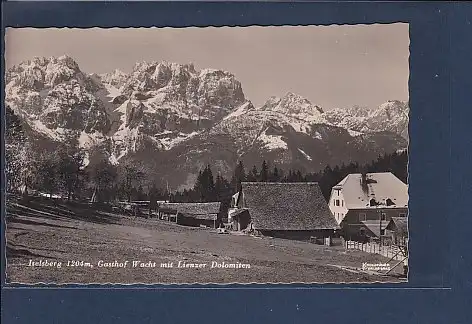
x,y
354,133
240,110
170,142
273,142
113,92
305,155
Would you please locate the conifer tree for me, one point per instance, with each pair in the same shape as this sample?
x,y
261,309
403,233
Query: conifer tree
x,y
253,175
264,175
275,177
210,194
239,176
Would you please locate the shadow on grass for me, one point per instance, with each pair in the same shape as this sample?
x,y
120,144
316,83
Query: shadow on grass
x,y
58,210
12,252
30,222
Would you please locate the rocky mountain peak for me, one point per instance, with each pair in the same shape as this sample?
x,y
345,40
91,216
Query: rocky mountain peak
x,y
293,105
391,116
116,78
42,72
164,111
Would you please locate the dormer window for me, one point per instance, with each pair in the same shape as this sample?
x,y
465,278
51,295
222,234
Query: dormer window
x,y
373,202
389,202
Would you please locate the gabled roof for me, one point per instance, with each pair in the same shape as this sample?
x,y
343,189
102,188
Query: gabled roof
x,y
380,187
400,224
374,226
237,199
195,210
238,212
287,206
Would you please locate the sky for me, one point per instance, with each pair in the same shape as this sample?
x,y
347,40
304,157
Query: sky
x,y
332,66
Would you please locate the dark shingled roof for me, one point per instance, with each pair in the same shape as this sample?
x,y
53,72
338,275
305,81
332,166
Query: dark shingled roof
x,y
401,224
287,206
195,210
374,226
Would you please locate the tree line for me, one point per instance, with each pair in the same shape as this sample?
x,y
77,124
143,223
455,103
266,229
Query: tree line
x,y
208,189
66,172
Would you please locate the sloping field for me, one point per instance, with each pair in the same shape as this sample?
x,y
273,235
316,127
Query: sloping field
x,y
93,247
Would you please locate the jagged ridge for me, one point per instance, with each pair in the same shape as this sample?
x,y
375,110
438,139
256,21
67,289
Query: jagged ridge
x,y
171,113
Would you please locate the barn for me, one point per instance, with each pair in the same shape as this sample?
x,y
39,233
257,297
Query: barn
x,y
286,210
190,214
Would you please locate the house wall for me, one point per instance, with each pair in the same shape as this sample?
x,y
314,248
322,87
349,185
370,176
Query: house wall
x,y
190,221
231,212
397,237
241,221
337,205
351,224
299,235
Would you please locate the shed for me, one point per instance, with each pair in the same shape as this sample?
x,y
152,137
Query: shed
x,y
192,214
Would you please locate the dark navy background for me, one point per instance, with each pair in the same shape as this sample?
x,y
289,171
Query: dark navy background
x,y
440,182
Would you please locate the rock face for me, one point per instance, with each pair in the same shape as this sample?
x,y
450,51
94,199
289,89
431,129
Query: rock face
x,y
116,78
55,97
174,119
391,116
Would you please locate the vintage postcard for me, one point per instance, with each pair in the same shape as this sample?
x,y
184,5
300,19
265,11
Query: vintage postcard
x,y
207,155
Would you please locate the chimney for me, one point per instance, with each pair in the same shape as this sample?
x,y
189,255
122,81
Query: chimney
x,y
364,186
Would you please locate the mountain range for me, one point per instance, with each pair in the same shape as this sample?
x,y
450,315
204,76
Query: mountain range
x,y
172,119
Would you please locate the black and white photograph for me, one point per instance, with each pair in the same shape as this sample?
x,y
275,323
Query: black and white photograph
x,y
215,155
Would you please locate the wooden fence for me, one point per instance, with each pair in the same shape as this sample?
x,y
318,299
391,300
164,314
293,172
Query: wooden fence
x,y
390,251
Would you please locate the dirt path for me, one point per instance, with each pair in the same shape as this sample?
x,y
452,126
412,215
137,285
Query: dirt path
x,y
63,235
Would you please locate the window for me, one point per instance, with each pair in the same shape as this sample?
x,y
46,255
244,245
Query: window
x,y
382,232
383,216
402,215
336,202
362,217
